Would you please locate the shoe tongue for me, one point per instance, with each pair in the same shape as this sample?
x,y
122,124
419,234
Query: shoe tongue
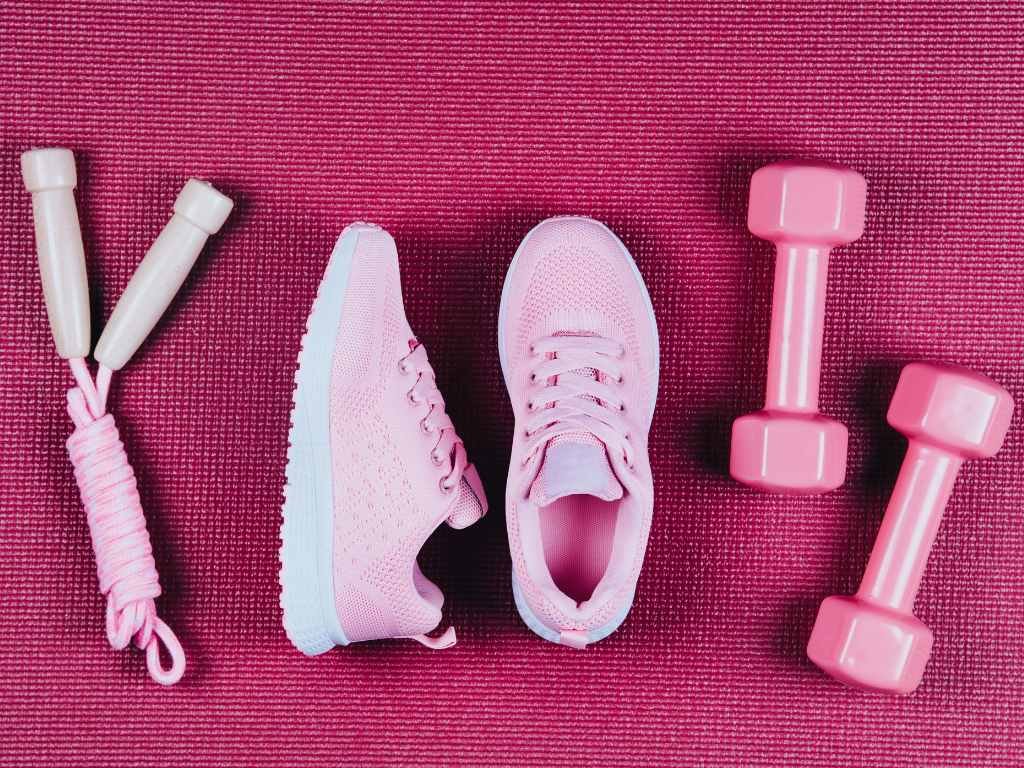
x,y
470,502
575,465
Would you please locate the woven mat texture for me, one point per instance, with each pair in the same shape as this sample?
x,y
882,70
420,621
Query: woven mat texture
x,y
458,127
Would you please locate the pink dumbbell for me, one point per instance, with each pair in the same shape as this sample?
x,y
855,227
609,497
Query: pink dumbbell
x,y
872,640
806,210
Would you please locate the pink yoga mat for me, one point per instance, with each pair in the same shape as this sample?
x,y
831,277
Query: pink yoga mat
x,y
458,128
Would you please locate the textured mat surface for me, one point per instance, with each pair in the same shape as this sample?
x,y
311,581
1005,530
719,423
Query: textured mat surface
x,y
458,130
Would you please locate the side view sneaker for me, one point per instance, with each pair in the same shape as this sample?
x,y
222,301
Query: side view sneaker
x,y
579,350
374,463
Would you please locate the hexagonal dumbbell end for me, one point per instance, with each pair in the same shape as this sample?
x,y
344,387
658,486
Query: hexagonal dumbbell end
x,y
805,209
814,203
964,412
872,640
868,646
788,452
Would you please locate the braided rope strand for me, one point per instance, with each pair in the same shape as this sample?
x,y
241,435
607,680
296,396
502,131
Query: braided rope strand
x,y
124,556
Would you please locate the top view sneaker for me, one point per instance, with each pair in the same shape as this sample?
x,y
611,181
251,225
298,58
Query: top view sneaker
x,y
374,463
579,351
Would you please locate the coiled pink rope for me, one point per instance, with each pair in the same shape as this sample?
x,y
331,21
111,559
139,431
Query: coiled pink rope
x,y
124,557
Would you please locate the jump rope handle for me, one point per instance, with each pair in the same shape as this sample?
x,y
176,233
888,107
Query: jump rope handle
x,y
50,176
199,212
125,566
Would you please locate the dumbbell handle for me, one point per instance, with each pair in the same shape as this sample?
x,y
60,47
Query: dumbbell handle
x,y
798,318
909,527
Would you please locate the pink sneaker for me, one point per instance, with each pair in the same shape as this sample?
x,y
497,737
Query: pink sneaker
x,y
374,463
579,350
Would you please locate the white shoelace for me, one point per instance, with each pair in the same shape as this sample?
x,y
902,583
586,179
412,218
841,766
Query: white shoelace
x,y
564,400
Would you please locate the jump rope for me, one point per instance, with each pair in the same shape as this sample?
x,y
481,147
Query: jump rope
x,y
124,556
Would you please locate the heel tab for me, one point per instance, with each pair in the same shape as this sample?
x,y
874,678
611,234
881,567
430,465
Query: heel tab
x,y
445,640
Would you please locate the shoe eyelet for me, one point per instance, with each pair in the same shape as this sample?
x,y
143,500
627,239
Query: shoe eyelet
x,y
622,407
533,378
530,406
620,381
413,398
404,368
435,459
445,488
426,428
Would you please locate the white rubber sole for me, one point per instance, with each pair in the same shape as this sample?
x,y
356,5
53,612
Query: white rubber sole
x,y
307,528
525,612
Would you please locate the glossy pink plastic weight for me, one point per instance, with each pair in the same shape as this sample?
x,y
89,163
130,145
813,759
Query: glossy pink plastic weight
x,y
872,640
806,210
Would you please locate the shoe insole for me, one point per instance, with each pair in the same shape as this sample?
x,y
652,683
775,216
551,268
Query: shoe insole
x,y
577,533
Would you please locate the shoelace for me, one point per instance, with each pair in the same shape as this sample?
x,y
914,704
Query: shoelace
x,y
124,557
448,453
565,400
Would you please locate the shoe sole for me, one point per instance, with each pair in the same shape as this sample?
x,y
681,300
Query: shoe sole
x,y
307,529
